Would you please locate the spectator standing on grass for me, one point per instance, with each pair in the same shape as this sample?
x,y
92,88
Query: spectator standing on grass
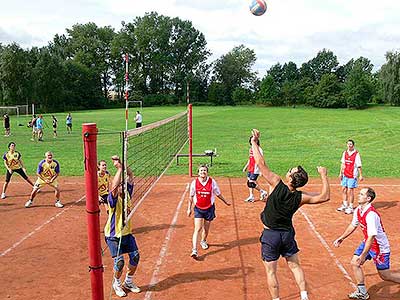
x,y
13,163
253,172
34,127
68,122
203,191
278,236
7,130
47,171
39,126
375,244
138,119
119,237
350,172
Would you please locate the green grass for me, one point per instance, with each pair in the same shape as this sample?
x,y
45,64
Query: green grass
x,y
289,137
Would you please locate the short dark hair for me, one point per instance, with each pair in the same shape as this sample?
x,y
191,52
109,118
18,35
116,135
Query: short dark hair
x,y
202,166
350,140
371,193
258,141
299,178
11,143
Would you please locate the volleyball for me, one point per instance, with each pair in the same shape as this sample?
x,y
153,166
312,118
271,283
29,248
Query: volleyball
x,y
258,7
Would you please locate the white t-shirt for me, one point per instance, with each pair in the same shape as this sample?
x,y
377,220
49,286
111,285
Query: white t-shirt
x,y
374,227
138,118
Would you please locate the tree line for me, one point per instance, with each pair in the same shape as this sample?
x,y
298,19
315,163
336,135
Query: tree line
x,y
83,67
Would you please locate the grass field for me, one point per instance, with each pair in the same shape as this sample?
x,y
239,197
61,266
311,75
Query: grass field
x,y
305,136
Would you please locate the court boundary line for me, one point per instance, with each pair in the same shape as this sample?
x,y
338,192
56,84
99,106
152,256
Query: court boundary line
x,y
329,249
164,246
37,229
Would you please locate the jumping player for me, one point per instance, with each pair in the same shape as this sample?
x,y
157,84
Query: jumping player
x,y
278,237
13,163
47,171
375,245
202,196
252,174
119,238
350,170
103,179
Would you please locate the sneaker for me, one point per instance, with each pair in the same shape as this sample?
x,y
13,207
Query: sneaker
x,y
28,203
348,210
132,287
249,199
194,253
263,196
58,204
204,245
358,295
118,289
341,208
3,196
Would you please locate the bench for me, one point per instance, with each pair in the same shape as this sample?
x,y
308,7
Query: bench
x,y
207,153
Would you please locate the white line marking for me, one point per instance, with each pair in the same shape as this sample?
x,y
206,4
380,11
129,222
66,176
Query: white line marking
x,y
330,251
37,229
164,246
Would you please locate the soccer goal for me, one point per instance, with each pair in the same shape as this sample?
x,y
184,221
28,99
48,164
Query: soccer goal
x,y
17,111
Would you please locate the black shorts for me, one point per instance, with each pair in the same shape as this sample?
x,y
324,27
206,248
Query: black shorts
x,y
277,242
19,171
138,125
69,125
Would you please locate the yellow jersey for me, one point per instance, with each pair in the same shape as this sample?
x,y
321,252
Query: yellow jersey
x,y
13,160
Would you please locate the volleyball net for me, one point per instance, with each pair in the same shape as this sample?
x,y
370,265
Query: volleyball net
x,y
149,150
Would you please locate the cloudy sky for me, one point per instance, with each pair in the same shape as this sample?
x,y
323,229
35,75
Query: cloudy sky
x,y
290,30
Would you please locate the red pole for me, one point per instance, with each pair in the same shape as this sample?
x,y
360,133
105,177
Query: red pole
x,y
89,135
190,129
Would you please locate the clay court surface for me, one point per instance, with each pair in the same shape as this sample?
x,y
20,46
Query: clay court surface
x,y
43,249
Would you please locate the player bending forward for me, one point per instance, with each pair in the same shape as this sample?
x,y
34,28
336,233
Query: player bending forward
x,y
375,245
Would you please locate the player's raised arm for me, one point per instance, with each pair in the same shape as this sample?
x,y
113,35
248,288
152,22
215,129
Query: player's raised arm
x,y
323,196
117,177
270,176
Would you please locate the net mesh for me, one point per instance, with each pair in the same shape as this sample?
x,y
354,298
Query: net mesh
x,y
149,150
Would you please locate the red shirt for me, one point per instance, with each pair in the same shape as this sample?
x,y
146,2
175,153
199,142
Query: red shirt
x,y
203,193
349,162
363,224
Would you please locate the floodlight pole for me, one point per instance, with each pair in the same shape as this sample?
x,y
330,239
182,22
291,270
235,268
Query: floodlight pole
x,y
89,136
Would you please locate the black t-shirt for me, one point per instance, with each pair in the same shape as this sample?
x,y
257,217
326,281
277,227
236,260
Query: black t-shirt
x,y
280,208
6,121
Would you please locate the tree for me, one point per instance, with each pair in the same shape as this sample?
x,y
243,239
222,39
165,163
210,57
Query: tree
x,y
390,76
233,70
324,63
269,91
327,93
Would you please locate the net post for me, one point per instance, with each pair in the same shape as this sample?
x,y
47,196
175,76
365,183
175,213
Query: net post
x,y
89,136
190,129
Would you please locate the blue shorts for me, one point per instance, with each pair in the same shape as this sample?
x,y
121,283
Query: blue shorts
x,y
128,245
252,176
206,214
277,242
350,183
382,261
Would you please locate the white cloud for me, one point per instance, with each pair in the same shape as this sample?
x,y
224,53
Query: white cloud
x,y
289,31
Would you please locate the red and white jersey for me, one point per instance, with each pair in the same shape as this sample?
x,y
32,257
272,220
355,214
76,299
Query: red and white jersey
x,y
351,161
371,224
252,166
204,193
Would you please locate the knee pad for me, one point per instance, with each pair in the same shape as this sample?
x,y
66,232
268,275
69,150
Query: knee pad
x,y
119,263
134,258
251,184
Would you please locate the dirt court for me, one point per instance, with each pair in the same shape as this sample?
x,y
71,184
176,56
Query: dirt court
x,y
43,249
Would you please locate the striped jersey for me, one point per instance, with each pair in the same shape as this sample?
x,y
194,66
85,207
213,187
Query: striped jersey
x,y
113,227
48,170
103,181
13,160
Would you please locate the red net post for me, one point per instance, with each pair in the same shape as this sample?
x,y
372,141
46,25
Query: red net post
x,y
190,129
89,135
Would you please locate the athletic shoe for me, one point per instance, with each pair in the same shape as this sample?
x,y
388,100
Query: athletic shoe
x,y
341,208
28,203
194,253
3,196
204,245
249,199
348,210
58,204
132,287
118,289
263,196
358,295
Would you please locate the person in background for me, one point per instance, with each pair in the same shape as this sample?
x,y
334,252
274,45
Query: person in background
x,y
138,119
68,123
7,130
